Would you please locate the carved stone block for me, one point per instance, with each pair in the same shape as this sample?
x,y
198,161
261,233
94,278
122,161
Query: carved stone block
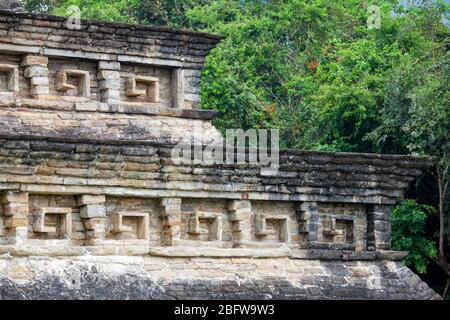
x,y
151,91
90,199
36,69
92,206
240,213
65,224
31,60
282,220
339,228
14,207
171,216
142,218
109,80
214,221
177,88
82,78
95,229
307,217
379,231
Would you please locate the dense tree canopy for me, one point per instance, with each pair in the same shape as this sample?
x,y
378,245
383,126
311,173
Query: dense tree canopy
x,y
320,72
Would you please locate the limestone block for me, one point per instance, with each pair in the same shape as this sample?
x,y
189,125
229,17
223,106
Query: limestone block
x,y
36,71
379,227
194,225
110,84
39,90
90,199
308,218
95,228
171,217
92,211
86,106
109,65
239,205
39,81
14,222
32,60
15,209
191,252
91,224
108,74
14,197
109,81
240,213
171,220
177,88
17,235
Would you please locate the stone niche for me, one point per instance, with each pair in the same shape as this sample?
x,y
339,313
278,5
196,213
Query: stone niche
x,y
205,223
133,219
80,80
9,78
73,79
196,223
145,84
53,217
274,223
53,220
12,81
342,226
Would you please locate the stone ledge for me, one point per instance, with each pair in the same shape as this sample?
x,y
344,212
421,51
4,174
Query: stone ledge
x,y
348,255
106,25
186,252
72,251
63,104
168,62
149,277
392,255
138,248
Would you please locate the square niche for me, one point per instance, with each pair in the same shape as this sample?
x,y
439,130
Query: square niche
x,y
75,83
339,229
272,227
9,79
144,87
205,226
56,223
131,225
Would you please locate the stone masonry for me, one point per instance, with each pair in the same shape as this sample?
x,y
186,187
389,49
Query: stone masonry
x,y
93,205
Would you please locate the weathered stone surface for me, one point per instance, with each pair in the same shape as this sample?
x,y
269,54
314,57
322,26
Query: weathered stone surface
x,y
32,60
162,278
13,5
94,203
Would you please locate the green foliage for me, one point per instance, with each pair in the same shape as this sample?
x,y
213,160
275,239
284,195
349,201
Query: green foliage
x,y
313,68
415,113
408,233
168,12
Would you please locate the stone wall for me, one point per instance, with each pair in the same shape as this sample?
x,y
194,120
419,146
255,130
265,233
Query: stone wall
x,y
183,52
13,5
205,278
93,203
